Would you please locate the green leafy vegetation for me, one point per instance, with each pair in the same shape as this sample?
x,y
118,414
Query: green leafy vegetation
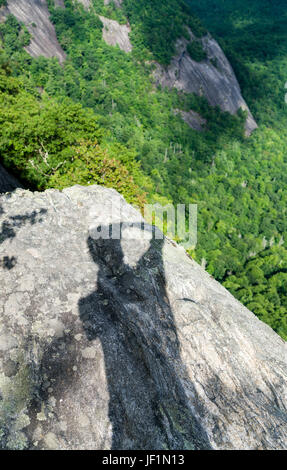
x,y
53,144
100,119
13,36
156,25
196,51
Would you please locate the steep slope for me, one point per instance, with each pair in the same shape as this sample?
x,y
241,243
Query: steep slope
x,y
118,3
211,77
116,34
85,3
237,183
36,17
123,344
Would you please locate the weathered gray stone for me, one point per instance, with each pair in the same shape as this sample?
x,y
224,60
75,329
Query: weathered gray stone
x,y
36,17
213,78
118,3
85,3
116,34
193,119
59,3
125,343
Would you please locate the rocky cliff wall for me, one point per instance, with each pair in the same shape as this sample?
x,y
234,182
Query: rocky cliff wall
x,y
212,77
118,3
85,3
36,17
116,34
124,344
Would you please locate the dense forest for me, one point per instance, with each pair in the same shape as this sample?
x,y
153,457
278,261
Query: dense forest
x,y
100,119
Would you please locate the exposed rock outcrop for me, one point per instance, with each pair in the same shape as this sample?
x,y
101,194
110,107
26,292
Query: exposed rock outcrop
x,y
59,3
193,119
7,182
85,3
118,3
123,344
116,34
213,77
36,17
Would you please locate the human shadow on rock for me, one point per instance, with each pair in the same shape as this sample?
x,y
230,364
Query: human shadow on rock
x,y
129,312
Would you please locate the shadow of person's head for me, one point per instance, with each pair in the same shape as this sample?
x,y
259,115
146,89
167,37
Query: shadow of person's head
x,y
124,246
130,274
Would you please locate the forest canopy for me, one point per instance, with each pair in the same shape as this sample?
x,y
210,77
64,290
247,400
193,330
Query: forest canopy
x,y
100,119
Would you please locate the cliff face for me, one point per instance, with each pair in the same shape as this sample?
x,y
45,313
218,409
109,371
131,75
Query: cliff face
x,y
36,17
212,77
85,3
118,3
124,344
193,119
116,34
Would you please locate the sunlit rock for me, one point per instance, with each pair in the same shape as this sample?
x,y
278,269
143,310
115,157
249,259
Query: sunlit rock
x,y
124,343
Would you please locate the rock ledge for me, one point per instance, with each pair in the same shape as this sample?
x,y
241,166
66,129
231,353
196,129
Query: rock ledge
x,y
109,344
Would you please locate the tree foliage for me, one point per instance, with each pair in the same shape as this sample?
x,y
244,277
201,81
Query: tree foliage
x,y
49,143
